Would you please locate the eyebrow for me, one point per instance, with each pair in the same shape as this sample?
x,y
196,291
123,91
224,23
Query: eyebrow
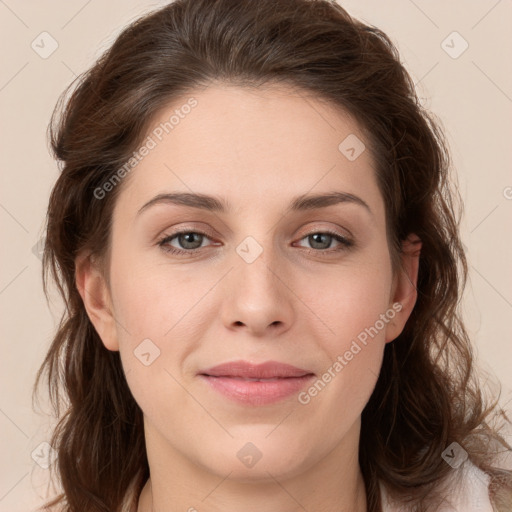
x,y
217,204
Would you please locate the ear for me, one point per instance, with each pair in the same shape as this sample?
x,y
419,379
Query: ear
x,y
404,291
95,294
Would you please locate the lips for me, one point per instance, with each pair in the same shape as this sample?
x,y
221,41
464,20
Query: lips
x,y
265,371
256,385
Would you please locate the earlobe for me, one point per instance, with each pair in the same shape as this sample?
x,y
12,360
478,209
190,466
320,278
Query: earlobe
x,y
405,286
95,294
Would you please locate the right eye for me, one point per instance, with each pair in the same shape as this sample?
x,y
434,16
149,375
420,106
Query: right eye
x,y
190,241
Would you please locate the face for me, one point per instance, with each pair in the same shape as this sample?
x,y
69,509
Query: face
x,y
267,277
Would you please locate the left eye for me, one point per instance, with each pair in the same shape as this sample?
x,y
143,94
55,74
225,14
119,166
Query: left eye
x,y
325,238
191,241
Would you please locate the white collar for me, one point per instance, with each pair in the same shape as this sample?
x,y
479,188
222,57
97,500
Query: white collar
x,y
469,494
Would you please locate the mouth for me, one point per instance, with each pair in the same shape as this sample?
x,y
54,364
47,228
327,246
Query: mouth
x,y
261,384
264,371
245,379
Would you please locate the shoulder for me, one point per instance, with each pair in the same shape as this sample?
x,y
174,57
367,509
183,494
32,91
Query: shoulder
x,y
466,491
472,491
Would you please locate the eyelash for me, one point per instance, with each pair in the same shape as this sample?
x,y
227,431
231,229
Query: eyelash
x,y
345,243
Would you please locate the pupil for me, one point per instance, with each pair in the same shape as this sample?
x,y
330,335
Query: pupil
x,y
189,239
317,236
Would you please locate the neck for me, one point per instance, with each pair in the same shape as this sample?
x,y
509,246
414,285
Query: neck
x,y
333,483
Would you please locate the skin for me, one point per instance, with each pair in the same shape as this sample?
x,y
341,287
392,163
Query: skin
x,y
258,149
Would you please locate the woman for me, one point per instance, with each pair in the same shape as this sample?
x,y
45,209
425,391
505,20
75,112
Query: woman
x,y
255,238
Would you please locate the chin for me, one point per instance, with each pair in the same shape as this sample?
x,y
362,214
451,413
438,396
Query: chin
x,y
253,458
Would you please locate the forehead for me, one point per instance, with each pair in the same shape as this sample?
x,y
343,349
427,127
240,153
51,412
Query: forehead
x,y
252,145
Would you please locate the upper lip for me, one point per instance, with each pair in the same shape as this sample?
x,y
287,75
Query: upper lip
x,y
245,369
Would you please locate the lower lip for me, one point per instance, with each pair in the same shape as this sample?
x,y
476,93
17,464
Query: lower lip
x,y
257,392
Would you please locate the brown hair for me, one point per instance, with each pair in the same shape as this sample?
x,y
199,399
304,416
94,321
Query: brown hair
x,y
427,395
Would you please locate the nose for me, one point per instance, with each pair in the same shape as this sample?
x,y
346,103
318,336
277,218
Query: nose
x,y
258,297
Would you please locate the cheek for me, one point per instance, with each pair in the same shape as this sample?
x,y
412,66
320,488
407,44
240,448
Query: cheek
x,y
157,310
152,322
352,311
150,299
347,303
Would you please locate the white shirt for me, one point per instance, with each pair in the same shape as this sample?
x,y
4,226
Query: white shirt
x,y
470,495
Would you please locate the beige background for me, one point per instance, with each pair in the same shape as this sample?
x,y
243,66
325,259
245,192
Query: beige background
x,y
472,94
